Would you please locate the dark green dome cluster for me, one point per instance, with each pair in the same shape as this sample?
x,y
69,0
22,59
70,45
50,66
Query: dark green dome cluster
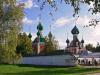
x,y
39,37
38,33
40,27
75,30
82,41
30,36
67,41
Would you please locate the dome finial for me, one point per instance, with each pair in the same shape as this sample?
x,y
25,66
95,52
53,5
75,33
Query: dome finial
x,y
50,27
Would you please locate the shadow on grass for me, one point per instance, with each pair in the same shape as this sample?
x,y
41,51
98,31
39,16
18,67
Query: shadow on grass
x,y
67,71
42,66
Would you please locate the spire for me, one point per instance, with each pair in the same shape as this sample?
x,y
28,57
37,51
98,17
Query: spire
x,y
50,34
50,27
39,17
29,35
67,41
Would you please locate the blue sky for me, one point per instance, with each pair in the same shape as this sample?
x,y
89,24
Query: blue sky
x,y
62,24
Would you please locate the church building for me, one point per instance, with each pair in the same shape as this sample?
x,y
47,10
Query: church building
x,y
39,42
75,46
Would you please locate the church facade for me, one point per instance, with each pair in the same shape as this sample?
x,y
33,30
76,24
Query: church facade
x,y
75,46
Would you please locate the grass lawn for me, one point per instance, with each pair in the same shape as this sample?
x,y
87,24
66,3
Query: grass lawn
x,y
32,70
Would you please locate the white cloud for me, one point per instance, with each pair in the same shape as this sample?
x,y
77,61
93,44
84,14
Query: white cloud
x,y
27,21
62,43
30,21
61,22
93,35
83,20
34,36
35,5
29,4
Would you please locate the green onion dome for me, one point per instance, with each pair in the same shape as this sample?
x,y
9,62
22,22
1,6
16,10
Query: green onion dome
x,y
30,36
40,27
82,41
67,41
75,30
38,33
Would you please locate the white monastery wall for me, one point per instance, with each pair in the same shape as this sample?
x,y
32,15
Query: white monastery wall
x,y
56,60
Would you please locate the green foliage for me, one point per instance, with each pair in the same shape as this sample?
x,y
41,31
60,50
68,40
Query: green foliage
x,y
74,3
10,25
97,49
90,47
24,44
50,44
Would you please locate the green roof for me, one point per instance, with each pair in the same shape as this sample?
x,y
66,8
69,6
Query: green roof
x,y
37,40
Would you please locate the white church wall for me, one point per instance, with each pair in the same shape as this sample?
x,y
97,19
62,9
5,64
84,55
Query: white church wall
x,y
57,60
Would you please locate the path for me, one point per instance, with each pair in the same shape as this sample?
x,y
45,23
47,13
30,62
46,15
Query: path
x,y
94,74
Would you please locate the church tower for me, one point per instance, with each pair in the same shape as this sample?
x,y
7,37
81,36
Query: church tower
x,y
68,42
82,43
75,46
39,42
75,33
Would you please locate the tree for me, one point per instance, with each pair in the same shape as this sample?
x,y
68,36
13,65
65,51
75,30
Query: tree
x,y
10,25
97,49
90,47
76,4
50,43
24,45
